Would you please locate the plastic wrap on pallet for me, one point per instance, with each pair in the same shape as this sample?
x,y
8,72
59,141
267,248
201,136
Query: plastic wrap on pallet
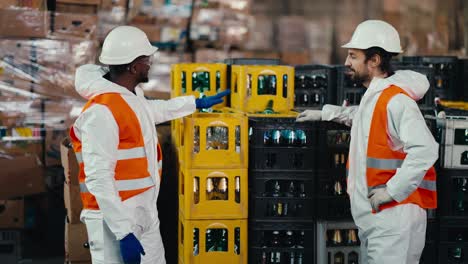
x,y
260,33
24,23
319,40
42,67
109,19
291,33
206,24
234,30
32,4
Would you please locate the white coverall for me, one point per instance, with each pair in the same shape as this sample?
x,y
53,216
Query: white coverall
x,y
98,131
394,235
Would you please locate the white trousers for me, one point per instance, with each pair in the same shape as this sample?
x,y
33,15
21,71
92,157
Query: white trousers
x,y
396,236
105,248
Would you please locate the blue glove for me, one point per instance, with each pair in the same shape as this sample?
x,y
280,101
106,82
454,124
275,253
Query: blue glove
x,y
130,249
209,101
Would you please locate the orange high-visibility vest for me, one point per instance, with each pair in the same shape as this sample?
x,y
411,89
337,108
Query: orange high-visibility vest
x,y
131,170
382,162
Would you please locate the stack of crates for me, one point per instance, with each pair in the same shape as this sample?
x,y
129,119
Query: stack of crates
x,y
445,74
337,240
213,157
314,86
347,89
197,79
332,199
10,246
453,191
282,162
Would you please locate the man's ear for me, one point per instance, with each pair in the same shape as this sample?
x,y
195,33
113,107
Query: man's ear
x,y
375,61
132,68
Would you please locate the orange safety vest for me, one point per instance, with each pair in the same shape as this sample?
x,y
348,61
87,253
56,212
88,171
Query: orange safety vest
x,y
382,162
131,170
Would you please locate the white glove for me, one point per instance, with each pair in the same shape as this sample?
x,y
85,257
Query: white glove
x,y
309,115
379,197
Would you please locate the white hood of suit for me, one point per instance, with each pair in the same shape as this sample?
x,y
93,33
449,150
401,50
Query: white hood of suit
x,y
89,82
414,83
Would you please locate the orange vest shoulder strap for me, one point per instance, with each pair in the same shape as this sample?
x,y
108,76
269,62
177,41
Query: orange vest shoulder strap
x,y
379,117
124,116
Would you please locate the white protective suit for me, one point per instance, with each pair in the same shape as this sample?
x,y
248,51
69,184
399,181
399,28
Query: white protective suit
x,y
98,131
395,235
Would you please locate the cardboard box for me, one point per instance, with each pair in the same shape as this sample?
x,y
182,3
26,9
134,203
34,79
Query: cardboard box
x,y
82,2
76,8
53,140
11,214
21,147
295,57
75,25
109,4
21,176
152,31
34,4
70,164
75,238
24,23
73,204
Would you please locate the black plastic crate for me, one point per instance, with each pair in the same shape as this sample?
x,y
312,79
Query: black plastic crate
x,y
252,61
10,246
334,140
333,208
314,86
462,79
347,89
453,230
337,242
281,209
453,252
287,184
282,144
445,73
427,102
282,158
453,193
261,132
429,254
432,230
293,241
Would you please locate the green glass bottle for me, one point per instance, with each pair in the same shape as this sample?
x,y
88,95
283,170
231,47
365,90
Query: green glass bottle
x,y
269,108
184,83
261,85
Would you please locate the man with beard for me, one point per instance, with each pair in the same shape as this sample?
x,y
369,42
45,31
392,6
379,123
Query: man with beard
x,y
116,144
391,180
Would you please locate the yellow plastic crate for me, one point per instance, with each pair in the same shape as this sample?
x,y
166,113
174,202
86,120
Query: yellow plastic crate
x,y
184,83
248,96
201,241
213,193
176,128
214,140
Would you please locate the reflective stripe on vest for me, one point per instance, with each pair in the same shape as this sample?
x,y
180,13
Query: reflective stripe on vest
x,y
122,154
126,185
382,162
131,169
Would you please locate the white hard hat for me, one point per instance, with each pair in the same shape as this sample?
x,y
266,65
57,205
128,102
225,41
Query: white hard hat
x,y
124,44
375,33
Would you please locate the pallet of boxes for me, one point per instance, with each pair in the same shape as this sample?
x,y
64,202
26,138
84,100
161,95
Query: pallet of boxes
x,y
75,21
213,157
76,237
36,95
